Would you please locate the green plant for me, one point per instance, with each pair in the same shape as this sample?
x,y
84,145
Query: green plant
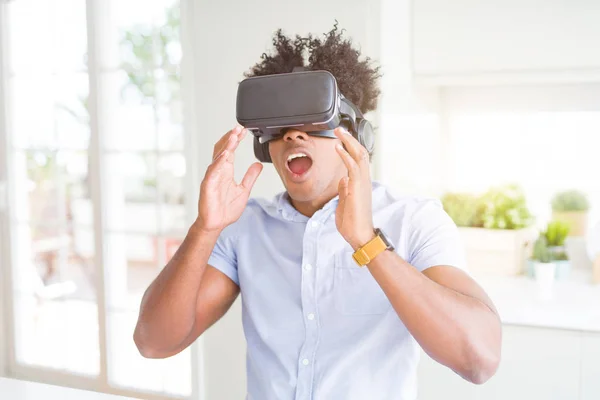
x,y
501,207
461,207
570,200
556,233
505,207
541,252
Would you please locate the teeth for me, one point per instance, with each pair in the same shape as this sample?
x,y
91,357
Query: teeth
x,y
296,155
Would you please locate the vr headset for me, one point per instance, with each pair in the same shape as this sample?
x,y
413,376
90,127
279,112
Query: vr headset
x,y
309,101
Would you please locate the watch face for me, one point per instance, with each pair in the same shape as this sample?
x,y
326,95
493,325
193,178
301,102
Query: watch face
x,y
385,239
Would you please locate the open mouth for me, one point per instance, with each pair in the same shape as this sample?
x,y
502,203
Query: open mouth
x,y
299,163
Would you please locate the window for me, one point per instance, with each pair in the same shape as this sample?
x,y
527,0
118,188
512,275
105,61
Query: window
x,y
543,138
97,172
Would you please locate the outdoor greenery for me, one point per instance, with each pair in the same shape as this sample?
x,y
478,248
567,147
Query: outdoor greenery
x,y
150,56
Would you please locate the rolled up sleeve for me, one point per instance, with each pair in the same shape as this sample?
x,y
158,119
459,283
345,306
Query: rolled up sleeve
x,y
223,256
434,238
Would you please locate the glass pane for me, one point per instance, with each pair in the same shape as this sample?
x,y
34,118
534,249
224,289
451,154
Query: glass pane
x,y
170,127
32,107
53,187
132,262
133,120
56,321
149,32
72,114
150,55
50,107
171,176
130,192
27,19
55,29
127,368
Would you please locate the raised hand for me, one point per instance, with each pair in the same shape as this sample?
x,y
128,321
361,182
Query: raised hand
x,y
222,200
354,214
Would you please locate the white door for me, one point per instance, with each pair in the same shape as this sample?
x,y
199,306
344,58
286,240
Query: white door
x,y
94,162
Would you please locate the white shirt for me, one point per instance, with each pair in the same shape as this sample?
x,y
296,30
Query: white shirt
x,y
318,326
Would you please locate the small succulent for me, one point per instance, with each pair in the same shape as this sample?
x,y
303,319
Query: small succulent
x,y
570,200
541,252
556,233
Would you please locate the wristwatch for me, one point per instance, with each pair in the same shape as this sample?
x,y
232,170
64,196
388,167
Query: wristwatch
x,y
372,249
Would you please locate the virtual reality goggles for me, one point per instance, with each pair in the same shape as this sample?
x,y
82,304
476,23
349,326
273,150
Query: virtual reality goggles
x,y
309,101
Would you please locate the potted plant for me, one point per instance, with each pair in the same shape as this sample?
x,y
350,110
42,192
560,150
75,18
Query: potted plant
x,y
571,206
496,229
544,267
555,234
462,208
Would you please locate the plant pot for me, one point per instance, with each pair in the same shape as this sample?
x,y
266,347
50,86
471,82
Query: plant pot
x,y
497,252
577,220
544,276
562,269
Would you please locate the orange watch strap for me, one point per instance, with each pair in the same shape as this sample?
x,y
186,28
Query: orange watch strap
x,y
369,251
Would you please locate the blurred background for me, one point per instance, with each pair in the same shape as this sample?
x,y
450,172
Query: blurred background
x,y
109,111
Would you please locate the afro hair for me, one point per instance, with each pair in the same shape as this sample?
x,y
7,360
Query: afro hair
x,y
357,79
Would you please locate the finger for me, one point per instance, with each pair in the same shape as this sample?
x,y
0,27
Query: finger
x,y
225,140
351,165
343,192
216,166
235,131
354,148
233,143
251,176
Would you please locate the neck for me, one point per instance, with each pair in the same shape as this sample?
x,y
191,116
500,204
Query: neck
x,y
309,208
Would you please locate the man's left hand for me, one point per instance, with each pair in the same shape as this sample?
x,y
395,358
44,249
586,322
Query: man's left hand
x,y
354,214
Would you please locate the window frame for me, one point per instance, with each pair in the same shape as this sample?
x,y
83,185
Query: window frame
x,y
8,363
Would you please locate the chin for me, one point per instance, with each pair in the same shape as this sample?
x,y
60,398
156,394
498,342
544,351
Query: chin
x,y
302,191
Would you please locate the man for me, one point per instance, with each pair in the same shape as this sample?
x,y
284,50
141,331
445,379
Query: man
x,y
317,325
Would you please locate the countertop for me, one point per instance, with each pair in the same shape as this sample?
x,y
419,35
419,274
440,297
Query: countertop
x,y
575,302
12,389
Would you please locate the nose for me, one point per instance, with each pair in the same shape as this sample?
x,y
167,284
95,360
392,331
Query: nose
x,y
294,134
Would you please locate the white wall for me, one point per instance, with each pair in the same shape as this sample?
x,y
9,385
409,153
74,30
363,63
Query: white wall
x,y
229,38
528,40
410,146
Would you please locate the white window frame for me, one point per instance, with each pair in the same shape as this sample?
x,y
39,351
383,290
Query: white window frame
x,y
8,363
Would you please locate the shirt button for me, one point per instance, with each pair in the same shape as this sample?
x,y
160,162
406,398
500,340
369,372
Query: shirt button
x,y
311,316
305,361
308,267
315,224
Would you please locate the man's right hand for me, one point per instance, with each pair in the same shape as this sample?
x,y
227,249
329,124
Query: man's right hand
x,y
222,200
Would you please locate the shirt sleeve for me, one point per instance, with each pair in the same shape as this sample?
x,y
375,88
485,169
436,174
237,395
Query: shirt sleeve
x,y
434,238
223,256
